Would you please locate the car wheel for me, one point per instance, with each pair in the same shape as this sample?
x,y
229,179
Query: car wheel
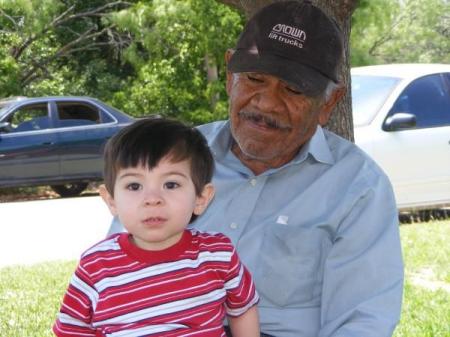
x,y
69,190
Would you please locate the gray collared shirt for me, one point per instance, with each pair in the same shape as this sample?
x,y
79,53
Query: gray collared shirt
x,y
319,234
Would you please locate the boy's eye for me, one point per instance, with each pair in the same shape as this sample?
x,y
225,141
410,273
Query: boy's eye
x,y
171,185
134,186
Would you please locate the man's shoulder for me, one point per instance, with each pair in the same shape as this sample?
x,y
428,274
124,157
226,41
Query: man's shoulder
x,y
346,152
211,129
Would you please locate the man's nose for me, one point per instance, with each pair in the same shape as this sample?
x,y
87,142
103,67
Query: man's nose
x,y
269,99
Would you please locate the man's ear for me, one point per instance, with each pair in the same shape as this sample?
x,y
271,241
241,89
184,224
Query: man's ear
x,y
108,199
228,55
204,199
328,107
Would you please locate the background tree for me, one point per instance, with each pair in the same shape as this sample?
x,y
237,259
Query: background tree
x,y
55,47
386,31
178,56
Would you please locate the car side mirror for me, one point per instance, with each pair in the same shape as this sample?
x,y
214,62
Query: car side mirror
x,y
399,121
5,127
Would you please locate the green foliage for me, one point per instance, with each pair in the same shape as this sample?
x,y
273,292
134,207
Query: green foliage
x,y
151,57
174,44
49,47
386,31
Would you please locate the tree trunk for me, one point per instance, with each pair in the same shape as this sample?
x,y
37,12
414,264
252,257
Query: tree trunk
x,y
341,10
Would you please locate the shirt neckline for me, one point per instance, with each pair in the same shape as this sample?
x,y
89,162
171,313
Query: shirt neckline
x,y
155,256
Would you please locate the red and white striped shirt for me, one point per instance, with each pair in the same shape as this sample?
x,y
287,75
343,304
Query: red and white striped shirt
x,y
120,290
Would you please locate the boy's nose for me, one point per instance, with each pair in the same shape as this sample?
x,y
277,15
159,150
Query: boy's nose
x,y
153,199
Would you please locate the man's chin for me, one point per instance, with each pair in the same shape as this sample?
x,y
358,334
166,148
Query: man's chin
x,y
256,152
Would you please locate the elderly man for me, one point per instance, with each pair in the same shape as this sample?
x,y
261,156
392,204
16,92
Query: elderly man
x,y
312,217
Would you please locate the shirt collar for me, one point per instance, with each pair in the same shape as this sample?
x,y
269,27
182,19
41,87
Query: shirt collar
x,y
317,147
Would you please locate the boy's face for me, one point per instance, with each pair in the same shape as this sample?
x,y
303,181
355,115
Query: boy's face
x,y
155,206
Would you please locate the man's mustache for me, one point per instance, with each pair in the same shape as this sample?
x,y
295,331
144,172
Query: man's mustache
x,y
269,120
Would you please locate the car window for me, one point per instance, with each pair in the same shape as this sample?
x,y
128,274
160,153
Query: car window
x,y
76,114
428,99
368,95
29,118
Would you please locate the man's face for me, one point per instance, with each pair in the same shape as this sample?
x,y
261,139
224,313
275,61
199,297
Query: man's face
x,y
270,119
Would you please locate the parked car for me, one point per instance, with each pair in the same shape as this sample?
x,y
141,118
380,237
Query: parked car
x,y
56,141
401,115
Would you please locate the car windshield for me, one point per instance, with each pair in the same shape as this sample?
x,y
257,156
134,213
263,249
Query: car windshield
x,y
368,95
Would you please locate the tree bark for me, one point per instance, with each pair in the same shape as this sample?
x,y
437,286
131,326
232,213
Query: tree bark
x,y
341,10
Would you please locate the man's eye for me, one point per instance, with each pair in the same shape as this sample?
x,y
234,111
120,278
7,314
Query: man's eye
x,y
170,185
254,78
133,186
294,91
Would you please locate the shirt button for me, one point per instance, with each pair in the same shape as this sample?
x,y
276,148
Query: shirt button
x,y
233,225
253,182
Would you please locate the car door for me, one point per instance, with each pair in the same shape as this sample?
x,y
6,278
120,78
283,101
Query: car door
x,y
83,129
417,159
27,147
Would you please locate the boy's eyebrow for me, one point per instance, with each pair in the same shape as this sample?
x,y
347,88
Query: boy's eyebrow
x,y
137,174
128,174
176,173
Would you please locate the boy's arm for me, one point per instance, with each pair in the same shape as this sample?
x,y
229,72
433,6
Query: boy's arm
x,y
74,318
245,325
242,298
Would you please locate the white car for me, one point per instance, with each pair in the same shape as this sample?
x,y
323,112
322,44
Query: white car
x,y
401,116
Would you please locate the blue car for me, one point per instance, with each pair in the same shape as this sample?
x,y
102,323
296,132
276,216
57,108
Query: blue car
x,y
56,141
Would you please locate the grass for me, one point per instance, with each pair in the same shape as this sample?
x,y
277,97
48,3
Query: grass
x,y
30,296
426,301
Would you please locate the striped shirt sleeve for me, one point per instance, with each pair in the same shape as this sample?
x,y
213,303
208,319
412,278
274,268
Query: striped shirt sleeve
x,y
241,292
75,315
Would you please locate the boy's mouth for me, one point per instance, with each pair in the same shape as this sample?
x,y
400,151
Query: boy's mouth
x,y
154,221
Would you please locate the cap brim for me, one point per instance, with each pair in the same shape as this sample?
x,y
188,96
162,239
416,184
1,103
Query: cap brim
x,y
306,79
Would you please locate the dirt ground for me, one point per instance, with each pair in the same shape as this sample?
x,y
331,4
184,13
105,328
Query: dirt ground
x,y
38,193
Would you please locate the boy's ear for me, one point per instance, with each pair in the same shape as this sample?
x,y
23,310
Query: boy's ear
x,y
108,199
204,199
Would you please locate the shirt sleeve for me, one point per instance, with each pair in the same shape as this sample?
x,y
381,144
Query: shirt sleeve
x,y
241,292
363,276
75,315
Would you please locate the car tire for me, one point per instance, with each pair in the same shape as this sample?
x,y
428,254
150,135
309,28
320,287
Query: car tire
x,y
69,190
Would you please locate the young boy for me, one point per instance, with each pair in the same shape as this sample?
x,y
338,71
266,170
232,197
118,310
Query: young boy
x,y
160,278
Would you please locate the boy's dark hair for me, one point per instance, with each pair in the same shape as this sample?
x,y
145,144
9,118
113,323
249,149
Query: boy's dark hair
x,y
148,140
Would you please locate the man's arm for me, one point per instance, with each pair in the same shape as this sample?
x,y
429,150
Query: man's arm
x,y
245,325
363,276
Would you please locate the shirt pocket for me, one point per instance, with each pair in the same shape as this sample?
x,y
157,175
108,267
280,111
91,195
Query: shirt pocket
x,y
291,265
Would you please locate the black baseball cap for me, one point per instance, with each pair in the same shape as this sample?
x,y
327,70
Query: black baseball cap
x,y
294,41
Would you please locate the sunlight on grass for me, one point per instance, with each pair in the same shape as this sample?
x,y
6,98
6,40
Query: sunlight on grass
x,y
426,252
30,296
426,248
